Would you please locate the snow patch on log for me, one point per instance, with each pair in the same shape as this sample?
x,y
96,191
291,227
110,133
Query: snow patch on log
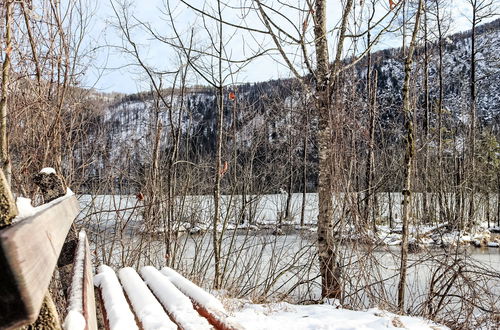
x,y
74,321
75,300
47,170
27,210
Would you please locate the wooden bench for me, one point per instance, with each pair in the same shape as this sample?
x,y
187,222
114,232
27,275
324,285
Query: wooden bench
x,y
153,298
29,250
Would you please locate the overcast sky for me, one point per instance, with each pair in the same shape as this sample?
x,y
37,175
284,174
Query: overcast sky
x,y
112,70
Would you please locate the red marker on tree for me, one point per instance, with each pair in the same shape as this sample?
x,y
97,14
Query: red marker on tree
x,y
224,169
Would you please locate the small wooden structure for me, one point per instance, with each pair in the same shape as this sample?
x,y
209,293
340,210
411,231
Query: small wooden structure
x,y
31,248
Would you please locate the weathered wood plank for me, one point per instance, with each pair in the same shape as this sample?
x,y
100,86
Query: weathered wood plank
x,y
81,309
219,320
89,310
28,254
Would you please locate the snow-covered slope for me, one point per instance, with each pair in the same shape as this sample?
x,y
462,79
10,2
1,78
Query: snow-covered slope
x,y
267,120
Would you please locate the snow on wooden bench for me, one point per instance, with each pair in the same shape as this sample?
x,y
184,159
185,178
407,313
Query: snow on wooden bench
x,y
156,302
205,303
29,250
81,307
117,313
177,305
148,310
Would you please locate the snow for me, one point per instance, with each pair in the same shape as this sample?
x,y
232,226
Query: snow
x,y
74,321
47,170
175,302
24,208
147,309
117,309
171,289
75,299
287,316
202,298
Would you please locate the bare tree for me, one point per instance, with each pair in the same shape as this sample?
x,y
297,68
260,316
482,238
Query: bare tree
x,y
409,158
326,82
481,10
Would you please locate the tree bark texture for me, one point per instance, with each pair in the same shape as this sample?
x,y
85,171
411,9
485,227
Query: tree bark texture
x,y
330,272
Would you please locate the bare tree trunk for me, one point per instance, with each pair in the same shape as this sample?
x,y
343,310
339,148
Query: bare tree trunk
x,y
4,146
328,267
426,122
391,216
370,175
441,199
458,193
498,199
217,189
304,172
488,216
289,187
239,215
218,163
288,213
472,132
409,156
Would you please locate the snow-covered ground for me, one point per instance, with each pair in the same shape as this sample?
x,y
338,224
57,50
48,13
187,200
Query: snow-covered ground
x,y
181,299
314,317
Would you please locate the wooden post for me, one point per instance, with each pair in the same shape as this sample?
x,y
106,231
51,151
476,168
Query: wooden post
x,y
51,184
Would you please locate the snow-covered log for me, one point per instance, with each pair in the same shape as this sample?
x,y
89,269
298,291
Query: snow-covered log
x,y
81,302
117,311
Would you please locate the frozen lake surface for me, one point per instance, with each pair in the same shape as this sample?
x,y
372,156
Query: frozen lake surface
x,y
266,267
